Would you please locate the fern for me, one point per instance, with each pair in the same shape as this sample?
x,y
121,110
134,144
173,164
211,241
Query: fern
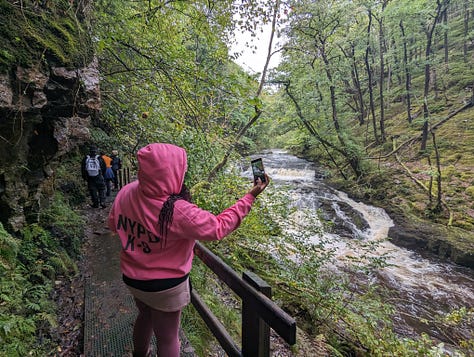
x,y
27,314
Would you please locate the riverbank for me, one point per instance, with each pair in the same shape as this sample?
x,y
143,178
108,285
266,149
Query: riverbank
x,y
420,291
396,194
428,238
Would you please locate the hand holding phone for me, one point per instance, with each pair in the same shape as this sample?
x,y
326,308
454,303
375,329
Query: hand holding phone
x,y
258,169
258,173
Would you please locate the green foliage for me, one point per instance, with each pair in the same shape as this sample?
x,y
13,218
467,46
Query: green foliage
x,y
197,332
65,225
242,250
174,87
29,266
72,188
194,97
291,260
26,311
9,247
213,295
43,254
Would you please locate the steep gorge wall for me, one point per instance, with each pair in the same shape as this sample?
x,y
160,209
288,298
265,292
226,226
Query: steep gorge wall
x,y
44,114
46,110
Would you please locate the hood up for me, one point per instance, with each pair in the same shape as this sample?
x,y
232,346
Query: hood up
x,y
161,169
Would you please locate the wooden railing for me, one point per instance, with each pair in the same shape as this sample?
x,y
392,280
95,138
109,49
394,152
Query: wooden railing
x,y
259,312
123,177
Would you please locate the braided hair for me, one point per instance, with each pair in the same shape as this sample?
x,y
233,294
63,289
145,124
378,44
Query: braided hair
x,y
166,214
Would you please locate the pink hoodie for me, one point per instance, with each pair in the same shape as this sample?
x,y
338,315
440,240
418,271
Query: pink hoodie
x,y
134,217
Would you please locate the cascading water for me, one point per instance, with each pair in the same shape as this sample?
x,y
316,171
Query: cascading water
x,y
420,287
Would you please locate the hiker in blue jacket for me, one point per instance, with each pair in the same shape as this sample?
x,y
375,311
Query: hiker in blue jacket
x,y
93,171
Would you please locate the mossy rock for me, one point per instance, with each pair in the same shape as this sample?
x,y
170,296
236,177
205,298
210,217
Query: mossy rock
x,y
470,191
33,34
418,206
465,224
452,243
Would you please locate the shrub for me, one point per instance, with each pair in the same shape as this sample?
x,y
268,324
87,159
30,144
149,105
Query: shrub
x,y
25,309
64,224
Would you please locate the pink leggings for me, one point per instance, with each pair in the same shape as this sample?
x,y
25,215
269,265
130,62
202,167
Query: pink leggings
x,y
165,325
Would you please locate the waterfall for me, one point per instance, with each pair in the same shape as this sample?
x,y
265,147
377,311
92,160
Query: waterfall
x,y
421,287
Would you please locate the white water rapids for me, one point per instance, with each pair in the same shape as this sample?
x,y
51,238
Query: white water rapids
x,y
422,286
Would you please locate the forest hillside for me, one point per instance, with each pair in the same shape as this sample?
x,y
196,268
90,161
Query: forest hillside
x,y
384,100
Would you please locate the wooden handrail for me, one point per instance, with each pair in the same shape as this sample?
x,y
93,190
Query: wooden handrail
x,y
216,327
262,307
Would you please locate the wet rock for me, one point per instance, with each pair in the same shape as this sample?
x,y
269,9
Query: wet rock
x,y
32,78
45,114
90,80
431,239
346,221
70,132
6,92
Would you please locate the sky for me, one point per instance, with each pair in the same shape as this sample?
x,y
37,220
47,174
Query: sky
x,y
253,60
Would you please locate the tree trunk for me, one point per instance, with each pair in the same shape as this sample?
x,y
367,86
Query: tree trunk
x,y
358,96
382,74
466,28
441,4
353,160
369,76
407,74
439,196
445,37
430,185
325,143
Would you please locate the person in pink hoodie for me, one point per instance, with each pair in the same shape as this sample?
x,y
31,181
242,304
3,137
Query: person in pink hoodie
x,y
158,226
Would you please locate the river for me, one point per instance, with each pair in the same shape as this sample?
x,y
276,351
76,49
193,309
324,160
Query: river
x,y
420,288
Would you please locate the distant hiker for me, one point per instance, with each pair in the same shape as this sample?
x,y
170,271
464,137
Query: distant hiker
x,y
109,174
93,170
158,227
116,165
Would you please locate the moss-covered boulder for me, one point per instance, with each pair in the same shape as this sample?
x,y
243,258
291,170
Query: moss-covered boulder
x,y
428,238
38,32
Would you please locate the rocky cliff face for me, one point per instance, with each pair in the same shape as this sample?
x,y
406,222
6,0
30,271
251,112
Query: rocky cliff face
x,y
45,113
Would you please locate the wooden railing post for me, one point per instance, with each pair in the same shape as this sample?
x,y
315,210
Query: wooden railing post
x,y
120,178
255,332
128,175
123,177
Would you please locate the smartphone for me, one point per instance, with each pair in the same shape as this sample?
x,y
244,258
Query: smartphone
x,y
257,169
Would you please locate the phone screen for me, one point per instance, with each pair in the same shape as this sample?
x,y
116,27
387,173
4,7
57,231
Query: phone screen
x,y
257,169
